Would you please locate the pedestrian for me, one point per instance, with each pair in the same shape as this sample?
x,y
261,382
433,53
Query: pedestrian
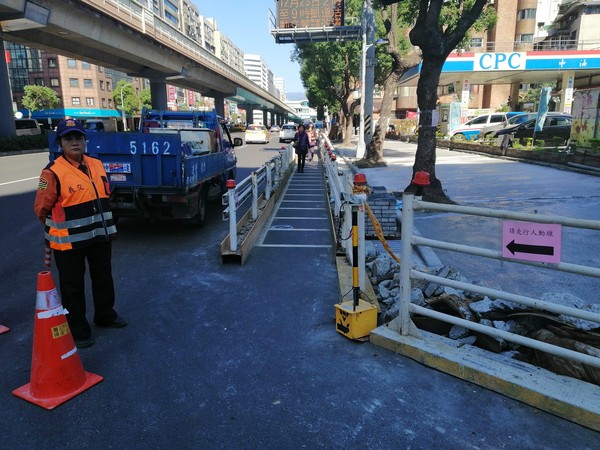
x,y
301,137
72,201
312,139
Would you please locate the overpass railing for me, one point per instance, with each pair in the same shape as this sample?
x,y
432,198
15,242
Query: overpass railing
x,y
139,18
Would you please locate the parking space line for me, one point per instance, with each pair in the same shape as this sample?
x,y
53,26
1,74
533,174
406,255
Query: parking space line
x,y
299,218
307,209
275,228
295,245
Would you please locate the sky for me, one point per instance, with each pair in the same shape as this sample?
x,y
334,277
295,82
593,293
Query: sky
x,y
246,23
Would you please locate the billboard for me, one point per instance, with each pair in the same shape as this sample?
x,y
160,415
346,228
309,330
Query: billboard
x,y
310,13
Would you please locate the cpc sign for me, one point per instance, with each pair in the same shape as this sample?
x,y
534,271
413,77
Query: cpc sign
x,y
499,61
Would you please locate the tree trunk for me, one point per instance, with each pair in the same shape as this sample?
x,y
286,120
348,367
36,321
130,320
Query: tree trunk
x,y
374,151
427,140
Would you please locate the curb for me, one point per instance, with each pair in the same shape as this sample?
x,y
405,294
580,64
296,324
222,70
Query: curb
x,y
24,152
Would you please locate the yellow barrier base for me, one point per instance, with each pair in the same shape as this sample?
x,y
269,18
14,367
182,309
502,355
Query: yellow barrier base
x,y
355,323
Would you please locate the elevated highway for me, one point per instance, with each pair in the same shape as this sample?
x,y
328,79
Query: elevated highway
x,y
123,35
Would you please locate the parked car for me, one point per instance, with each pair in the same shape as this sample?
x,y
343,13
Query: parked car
x,y
514,120
274,129
256,133
94,126
27,127
555,125
287,133
471,128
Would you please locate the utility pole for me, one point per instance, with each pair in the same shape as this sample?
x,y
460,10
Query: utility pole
x,y
123,107
367,78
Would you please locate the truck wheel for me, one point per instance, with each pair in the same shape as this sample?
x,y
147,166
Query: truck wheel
x,y
200,218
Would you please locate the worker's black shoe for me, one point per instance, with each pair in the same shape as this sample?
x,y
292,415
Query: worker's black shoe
x,y
117,323
84,343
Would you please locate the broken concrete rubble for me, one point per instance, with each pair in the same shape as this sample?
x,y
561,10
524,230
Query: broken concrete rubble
x,y
568,332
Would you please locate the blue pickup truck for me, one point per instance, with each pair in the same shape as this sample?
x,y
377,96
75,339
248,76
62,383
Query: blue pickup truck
x,y
170,168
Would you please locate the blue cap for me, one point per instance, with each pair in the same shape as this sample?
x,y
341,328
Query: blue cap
x,y
68,126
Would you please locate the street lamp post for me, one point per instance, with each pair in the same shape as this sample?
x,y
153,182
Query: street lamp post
x,y
123,107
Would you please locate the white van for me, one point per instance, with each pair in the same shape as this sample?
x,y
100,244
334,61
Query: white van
x,y
471,128
27,127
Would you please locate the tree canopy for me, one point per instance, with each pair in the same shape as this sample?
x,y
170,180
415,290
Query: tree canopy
x,y
38,98
131,101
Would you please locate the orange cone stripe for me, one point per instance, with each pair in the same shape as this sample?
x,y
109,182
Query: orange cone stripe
x,y
70,353
58,311
47,300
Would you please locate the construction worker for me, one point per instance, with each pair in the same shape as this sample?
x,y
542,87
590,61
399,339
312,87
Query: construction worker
x,y
72,201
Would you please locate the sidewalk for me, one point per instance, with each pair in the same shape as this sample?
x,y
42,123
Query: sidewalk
x,y
562,395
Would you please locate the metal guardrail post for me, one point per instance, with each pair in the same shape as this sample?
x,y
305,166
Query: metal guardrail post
x,y
355,258
269,187
233,242
406,264
254,196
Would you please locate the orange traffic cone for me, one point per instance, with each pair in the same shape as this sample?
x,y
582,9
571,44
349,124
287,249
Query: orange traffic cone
x,y
57,373
3,329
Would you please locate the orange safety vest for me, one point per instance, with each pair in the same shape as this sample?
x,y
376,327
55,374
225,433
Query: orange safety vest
x,y
81,215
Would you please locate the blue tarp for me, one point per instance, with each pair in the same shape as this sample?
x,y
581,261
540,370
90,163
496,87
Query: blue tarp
x,y
543,108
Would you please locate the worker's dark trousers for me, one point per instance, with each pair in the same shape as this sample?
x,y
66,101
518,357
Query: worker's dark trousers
x,y
71,273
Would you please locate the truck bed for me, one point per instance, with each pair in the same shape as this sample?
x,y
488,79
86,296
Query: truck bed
x,y
152,160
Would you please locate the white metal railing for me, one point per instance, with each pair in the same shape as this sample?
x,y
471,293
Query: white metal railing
x,y
262,181
402,323
520,46
341,193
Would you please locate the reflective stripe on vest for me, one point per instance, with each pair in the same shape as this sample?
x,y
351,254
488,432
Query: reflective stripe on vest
x,y
72,238
82,214
75,223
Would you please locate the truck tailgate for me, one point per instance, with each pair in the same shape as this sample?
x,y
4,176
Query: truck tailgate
x,y
138,160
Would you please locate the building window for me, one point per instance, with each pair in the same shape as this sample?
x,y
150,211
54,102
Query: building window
x,y
89,101
75,101
477,42
39,82
526,14
87,83
73,82
592,9
171,17
525,38
101,84
109,103
108,85
71,63
104,103
85,65
52,62
54,82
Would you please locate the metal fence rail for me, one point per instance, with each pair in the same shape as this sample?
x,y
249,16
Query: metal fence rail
x,y
341,194
403,324
259,187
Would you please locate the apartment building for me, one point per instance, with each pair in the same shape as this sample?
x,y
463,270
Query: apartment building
x,y
279,83
84,85
523,25
78,84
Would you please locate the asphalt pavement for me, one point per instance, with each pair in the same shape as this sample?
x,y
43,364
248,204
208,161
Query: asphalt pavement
x,y
258,363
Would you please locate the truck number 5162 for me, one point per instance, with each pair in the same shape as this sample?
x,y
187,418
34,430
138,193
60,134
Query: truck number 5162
x,y
147,148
